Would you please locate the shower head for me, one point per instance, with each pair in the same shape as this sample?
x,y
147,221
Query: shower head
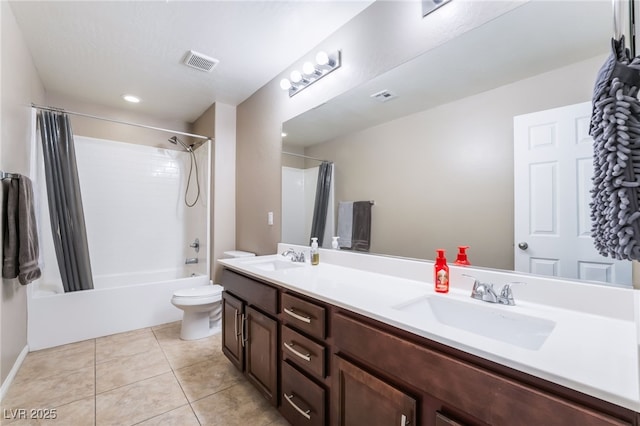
x,y
174,140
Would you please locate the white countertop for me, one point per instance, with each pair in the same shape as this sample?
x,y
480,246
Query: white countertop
x,y
593,347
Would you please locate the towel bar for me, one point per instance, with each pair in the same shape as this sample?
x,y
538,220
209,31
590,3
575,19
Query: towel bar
x,y
6,175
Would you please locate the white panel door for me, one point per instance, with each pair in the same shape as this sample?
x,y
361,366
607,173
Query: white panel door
x,y
552,179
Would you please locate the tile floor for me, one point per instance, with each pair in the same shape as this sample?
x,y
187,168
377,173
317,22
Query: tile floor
x,y
143,377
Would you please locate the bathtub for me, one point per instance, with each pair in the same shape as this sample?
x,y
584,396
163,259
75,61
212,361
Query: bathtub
x,y
118,303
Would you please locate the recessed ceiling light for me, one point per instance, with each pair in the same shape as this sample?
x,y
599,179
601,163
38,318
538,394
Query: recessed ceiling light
x,y
131,98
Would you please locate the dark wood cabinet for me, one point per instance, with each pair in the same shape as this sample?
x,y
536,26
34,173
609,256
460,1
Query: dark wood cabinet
x,y
232,323
303,400
250,336
360,398
261,353
324,365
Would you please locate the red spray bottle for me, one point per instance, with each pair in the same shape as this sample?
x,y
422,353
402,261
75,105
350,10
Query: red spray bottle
x,y
441,275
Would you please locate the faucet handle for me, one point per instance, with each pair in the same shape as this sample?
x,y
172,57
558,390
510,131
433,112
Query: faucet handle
x,y
506,294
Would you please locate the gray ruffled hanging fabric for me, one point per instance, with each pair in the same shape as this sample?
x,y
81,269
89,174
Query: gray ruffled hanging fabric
x,y
615,128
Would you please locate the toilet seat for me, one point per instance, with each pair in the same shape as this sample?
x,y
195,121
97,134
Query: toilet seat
x,y
198,295
203,290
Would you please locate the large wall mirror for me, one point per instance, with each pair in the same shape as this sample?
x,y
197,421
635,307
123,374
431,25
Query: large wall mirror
x,y
437,153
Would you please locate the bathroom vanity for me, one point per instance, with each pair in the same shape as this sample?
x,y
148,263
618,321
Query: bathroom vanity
x,y
342,345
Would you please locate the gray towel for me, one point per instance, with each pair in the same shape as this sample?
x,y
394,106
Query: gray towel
x,y
345,223
361,225
21,234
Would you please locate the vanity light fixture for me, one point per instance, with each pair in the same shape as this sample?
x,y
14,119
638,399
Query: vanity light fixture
x,y
324,64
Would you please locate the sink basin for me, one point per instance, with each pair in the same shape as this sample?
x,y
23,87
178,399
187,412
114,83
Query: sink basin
x,y
276,265
491,321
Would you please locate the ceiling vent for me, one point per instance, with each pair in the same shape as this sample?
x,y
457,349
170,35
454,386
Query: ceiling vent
x,y
384,96
199,61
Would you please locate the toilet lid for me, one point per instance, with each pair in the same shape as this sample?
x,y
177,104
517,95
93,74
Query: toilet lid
x,y
205,290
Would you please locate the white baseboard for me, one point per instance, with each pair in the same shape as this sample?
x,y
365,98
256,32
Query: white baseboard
x,y
12,374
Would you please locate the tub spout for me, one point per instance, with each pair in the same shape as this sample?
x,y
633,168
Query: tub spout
x,y
190,260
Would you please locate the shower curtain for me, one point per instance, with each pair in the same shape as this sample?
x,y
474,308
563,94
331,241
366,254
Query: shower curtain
x,y
320,208
65,202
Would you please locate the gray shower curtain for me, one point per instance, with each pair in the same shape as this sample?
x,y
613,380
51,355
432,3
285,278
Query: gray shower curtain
x,y
323,190
65,202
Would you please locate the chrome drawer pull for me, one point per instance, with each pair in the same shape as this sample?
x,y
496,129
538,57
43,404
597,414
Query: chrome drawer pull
x,y
302,318
305,413
290,346
243,324
404,421
235,325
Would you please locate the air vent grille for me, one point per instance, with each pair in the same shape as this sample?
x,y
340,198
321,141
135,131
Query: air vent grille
x,y
384,96
199,61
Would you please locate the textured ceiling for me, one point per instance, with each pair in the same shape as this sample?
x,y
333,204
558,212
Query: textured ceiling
x,y
97,51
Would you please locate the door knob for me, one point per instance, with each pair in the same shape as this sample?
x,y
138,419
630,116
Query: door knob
x,y
523,245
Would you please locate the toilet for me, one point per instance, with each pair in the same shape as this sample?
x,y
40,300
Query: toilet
x,y
202,306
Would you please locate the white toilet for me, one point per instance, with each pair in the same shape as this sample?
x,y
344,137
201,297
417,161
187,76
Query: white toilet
x,y
202,306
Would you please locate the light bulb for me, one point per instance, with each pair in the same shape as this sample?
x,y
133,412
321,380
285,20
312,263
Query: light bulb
x,y
285,84
322,58
296,76
308,68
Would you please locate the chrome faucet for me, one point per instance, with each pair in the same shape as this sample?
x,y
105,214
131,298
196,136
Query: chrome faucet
x,y
190,260
295,257
486,293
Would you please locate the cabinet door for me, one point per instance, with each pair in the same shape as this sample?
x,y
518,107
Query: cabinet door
x,y
232,314
262,353
362,399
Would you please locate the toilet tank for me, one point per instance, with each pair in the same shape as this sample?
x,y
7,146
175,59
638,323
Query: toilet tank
x,y
236,253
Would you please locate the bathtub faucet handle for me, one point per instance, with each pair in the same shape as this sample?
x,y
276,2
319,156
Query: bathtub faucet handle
x,y
195,245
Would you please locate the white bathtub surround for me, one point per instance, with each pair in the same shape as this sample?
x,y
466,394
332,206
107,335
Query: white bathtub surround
x,y
58,319
592,347
139,231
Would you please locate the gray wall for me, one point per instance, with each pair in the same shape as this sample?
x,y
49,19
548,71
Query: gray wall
x,y
19,85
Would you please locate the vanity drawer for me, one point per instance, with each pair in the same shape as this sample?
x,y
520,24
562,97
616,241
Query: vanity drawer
x,y
303,401
251,291
303,352
305,316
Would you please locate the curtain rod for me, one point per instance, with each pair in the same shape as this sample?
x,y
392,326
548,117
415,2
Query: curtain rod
x,y
307,157
193,135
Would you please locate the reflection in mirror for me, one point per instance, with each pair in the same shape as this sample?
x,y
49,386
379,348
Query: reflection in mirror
x,y
299,187
439,157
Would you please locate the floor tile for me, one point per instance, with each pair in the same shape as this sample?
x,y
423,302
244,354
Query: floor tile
x,y
123,370
65,359
208,377
77,413
123,345
182,353
51,391
143,377
238,405
139,401
183,416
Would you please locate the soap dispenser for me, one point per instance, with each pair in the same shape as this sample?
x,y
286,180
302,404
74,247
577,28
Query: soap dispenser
x,y
441,273
315,252
462,259
334,243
